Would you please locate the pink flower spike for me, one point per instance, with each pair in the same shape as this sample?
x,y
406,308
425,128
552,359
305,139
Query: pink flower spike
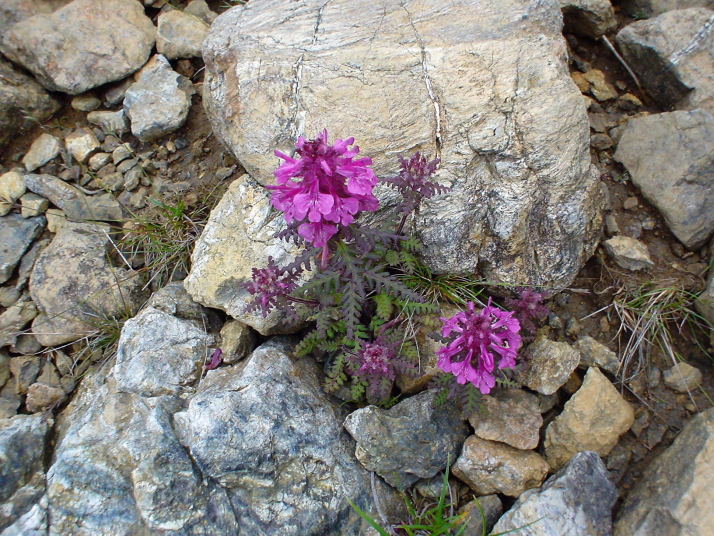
x,y
323,187
481,341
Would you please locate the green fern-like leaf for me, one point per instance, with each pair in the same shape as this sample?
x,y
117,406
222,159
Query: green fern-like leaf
x,y
412,244
308,344
384,305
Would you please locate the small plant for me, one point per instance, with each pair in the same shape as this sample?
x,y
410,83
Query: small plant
x,y
163,235
367,286
435,519
656,314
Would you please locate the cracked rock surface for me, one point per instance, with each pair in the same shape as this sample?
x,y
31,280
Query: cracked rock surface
x,y
482,84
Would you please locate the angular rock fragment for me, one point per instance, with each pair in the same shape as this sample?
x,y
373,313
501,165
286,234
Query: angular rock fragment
x,y
675,493
158,102
683,377
180,35
673,55
76,205
491,467
593,419
576,501
43,149
75,286
410,441
670,158
82,45
596,354
512,417
16,236
628,253
591,18
547,365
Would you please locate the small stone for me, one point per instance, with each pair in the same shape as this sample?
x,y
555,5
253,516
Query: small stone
x,y
110,122
43,149
548,365
600,88
159,101
489,467
408,442
576,501
115,94
631,203
593,419
16,236
200,9
138,199
25,369
132,178
511,416
492,509
628,253
8,296
55,219
580,81
573,327
12,186
86,102
628,102
683,377
121,153
14,319
33,205
611,225
669,157
76,205
26,344
42,397
127,164
9,406
110,143
591,18
596,354
601,142
81,144
180,35
237,341
99,160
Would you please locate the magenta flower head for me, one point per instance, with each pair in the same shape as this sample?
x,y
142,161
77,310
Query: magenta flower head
x,y
528,308
481,342
324,188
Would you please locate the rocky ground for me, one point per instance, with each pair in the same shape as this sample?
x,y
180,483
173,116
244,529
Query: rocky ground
x,y
584,175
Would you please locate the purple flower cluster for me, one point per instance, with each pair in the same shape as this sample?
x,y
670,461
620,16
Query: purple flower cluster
x,y
269,285
481,342
324,188
528,308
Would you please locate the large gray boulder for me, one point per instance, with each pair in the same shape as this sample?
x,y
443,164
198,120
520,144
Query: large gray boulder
x,y
23,102
673,54
674,495
482,84
272,439
83,44
670,157
76,287
576,501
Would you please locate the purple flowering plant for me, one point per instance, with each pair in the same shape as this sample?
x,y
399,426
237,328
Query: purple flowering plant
x,y
358,298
